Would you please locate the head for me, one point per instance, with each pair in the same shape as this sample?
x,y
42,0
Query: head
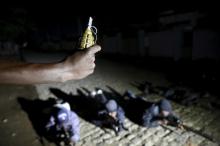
x,y
165,107
111,106
62,116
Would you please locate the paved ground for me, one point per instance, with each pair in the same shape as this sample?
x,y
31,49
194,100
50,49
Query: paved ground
x,y
18,130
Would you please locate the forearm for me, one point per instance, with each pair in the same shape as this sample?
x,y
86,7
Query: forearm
x,y
75,67
25,73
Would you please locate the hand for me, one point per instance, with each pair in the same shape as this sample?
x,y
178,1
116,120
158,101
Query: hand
x,y
163,122
180,126
81,64
77,66
71,143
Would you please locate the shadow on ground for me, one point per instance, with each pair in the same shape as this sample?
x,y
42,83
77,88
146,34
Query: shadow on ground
x,y
38,112
133,107
87,107
84,105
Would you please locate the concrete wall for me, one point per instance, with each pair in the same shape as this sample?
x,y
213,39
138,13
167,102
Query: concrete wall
x,y
170,43
8,49
206,44
130,47
166,44
112,44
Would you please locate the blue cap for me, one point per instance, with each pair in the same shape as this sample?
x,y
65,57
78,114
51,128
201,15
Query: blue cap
x,y
111,106
165,105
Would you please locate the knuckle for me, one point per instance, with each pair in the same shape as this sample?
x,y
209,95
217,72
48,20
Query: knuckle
x,y
97,47
93,59
93,65
91,71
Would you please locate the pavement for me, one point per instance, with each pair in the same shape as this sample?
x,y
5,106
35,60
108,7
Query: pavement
x,y
18,128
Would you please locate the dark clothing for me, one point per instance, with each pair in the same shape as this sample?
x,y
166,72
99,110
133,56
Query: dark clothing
x,y
152,116
101,98
104,119
120,114
72,126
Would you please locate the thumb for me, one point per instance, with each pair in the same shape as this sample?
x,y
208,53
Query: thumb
x,y
94,49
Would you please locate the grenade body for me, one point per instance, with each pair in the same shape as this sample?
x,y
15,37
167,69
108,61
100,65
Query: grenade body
x,y
87,39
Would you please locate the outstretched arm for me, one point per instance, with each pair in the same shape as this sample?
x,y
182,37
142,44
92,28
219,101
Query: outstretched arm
x,y
77,66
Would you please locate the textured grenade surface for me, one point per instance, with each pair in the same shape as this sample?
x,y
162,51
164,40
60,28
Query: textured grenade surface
x,y
88,39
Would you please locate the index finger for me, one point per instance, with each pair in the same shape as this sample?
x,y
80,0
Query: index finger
x,y
94,49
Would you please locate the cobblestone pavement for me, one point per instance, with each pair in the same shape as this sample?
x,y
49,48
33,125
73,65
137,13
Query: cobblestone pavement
x,y
16,128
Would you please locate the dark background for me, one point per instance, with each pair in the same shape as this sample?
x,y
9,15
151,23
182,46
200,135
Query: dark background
x,y
180,40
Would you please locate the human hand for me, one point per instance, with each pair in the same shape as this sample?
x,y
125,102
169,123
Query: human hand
x,y
81,64
163,122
